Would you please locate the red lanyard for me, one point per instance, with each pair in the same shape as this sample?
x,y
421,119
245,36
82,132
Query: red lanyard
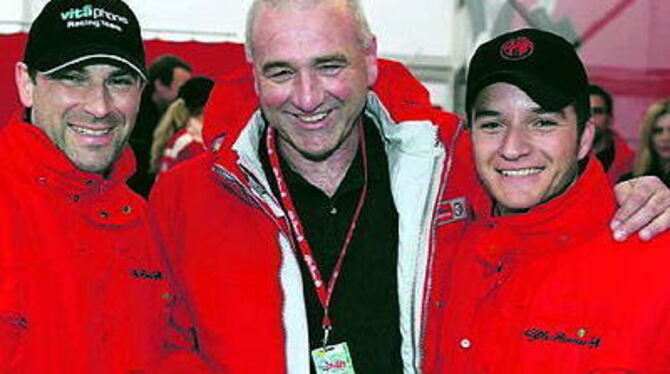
x,y
323,294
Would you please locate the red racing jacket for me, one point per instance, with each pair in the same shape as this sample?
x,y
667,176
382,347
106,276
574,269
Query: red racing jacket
x,y
182,146
227,237
549,291
624,157
82,289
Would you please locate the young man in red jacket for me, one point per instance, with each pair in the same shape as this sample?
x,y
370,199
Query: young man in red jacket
x,y
82,289
329,176
536,284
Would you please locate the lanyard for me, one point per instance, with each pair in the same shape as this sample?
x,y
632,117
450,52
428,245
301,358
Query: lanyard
x,y
324,294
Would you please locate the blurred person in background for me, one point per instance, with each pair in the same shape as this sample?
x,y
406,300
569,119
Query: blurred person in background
x,y
653,156
165,76
610,148
178,136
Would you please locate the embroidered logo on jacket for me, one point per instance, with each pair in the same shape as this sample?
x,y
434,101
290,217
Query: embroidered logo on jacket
x,y
452,210
535,334
144,274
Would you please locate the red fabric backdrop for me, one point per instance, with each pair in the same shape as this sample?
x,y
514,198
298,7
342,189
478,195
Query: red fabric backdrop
x,y
210,59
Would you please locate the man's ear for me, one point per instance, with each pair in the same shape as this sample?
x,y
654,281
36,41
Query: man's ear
x,y
255,74
24,84
586,140
371,62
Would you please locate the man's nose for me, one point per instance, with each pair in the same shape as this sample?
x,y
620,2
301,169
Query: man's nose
x,y
98,101
515,144
307,92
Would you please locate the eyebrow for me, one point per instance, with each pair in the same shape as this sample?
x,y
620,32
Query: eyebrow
x,y
338,57
486,113
119,72
492,113
60,73
559,112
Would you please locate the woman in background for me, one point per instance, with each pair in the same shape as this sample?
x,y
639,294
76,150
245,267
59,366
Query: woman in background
x,y
178,135
653,156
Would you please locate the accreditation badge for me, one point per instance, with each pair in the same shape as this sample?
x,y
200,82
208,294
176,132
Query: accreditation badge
x,y
333,359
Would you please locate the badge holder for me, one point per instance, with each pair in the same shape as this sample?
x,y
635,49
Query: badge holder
x,y
332,359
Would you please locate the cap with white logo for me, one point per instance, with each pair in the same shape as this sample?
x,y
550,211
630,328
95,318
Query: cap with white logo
x,y
69,32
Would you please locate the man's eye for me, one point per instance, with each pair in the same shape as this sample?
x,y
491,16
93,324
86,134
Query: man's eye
x,y
331,69
72,78
545,124
280,75
490,126
122,81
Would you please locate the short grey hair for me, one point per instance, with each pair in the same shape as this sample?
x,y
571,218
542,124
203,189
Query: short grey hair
x,y
364,35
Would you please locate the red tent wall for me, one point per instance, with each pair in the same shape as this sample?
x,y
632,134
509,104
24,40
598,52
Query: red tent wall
x,y
625,48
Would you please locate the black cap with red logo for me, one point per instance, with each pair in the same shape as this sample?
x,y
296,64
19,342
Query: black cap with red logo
x,y
544,65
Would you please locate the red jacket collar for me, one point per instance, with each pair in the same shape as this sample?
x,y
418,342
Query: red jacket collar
x,y
583,211
37,156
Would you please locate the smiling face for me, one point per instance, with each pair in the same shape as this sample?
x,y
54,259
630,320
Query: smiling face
x,y
599,115
164,95
88,111
312,75
524,155
661,137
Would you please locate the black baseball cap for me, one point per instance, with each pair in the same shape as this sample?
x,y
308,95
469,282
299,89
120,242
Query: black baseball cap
x,y
542,64
69,32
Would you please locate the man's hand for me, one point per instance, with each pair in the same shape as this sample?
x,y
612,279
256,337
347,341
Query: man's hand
x,y
644,205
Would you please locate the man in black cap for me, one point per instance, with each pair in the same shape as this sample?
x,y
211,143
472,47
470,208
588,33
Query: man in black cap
x,y
537,284
82,289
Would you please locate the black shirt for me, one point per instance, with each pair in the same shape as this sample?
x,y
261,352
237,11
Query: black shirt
x,y
607,155
364,308
140,140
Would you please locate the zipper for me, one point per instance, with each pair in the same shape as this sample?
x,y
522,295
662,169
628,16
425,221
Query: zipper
x,y
253,195
256,193
432,245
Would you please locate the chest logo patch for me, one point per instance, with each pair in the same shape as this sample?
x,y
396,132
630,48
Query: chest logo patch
x,y
579,338
145,274
452,210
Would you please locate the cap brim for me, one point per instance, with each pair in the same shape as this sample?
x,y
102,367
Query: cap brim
x,y
547,96
90,52
97,56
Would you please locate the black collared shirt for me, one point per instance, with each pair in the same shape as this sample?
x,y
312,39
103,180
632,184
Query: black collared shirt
x,y
364,307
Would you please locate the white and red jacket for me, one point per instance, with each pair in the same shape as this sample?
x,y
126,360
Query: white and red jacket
x,y
182,146
228,242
